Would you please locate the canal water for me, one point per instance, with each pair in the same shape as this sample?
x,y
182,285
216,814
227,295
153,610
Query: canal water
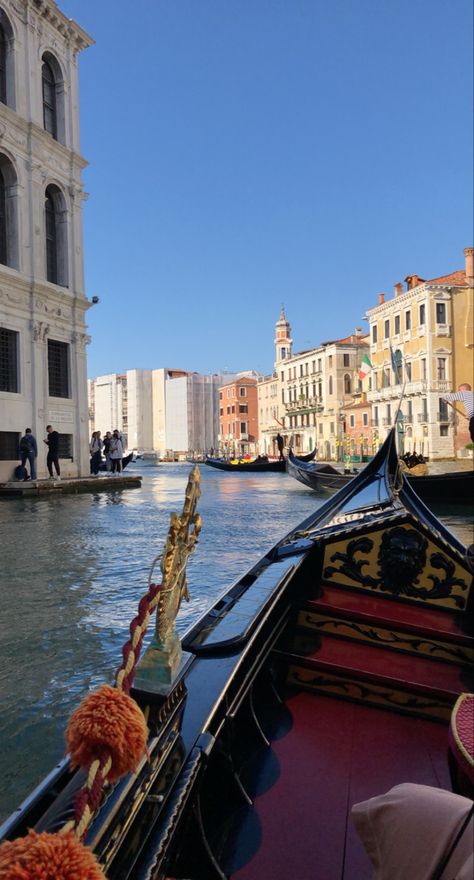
x,y
73,569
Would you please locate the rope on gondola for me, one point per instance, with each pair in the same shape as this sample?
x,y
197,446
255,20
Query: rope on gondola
x,y
106,736
107,733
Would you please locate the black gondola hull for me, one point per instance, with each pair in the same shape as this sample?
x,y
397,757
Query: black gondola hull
x,y
448,488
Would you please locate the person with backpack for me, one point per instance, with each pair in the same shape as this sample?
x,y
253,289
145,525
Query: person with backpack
x,y
28,452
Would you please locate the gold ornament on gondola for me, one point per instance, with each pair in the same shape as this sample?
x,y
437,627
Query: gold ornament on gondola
x,y
162,660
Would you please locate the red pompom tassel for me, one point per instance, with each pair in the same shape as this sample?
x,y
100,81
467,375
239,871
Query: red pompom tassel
x,y
48,857
107,722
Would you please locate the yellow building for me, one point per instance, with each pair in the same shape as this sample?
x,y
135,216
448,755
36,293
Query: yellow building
x,y
422,347
306,398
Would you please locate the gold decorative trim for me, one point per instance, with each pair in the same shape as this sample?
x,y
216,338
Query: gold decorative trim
x,y
351,688
395,639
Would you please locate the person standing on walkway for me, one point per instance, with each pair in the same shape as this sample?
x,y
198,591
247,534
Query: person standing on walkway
x,y
96,452
107,439
52,442
466,395
116,452
29,452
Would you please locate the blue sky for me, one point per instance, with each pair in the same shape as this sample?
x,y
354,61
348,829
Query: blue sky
x,y
249,153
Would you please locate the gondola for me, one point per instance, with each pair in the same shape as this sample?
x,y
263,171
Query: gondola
x,y
334,669
255,466
262,463
449,488
125,461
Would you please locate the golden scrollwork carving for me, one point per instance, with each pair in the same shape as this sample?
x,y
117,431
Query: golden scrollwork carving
x,y
180,543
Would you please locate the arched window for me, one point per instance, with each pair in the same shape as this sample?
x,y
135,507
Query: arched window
x,y
3,66
3,220
50,115
51,239
7,62
55,222
347,384
8,213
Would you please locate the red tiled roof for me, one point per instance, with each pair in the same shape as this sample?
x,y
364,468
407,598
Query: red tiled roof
x,y
363,404
454,279
348,340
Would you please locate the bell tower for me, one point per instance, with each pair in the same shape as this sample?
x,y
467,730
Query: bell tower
x,y
283,340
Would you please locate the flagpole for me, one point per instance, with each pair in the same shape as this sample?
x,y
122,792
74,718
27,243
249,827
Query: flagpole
x,y
402,393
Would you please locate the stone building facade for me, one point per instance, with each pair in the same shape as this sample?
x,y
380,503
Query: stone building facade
x,y
421,346
306,397
123,401
238,417
317,386
43,333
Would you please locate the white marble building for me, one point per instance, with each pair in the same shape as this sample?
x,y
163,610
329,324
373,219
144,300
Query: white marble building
x,y
188,421
43,334
123,401
163,411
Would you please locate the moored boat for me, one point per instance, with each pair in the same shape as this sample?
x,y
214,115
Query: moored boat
x,y
456,487
125,461
324,675
261,463
251,466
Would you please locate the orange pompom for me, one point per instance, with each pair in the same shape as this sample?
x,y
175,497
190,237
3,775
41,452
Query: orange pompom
x,y
107,721
48,857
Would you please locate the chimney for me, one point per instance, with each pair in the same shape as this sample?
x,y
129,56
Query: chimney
x,y
358,331
397,288
469,255
381,299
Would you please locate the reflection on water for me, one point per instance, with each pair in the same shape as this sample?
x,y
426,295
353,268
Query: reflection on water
x,y
74,569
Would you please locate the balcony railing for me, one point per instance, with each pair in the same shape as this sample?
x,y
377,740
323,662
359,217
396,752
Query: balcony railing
x,y
440,385
308,403
422,418
415,387
447,418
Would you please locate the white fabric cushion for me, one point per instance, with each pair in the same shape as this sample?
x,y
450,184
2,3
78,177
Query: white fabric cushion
x,y
407,831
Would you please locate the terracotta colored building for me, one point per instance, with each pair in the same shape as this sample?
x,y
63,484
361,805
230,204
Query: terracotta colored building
x,y
238,417
360,439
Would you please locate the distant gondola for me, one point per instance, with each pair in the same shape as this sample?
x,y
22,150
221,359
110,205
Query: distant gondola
x,y
249,466
125,460
262,463
449,488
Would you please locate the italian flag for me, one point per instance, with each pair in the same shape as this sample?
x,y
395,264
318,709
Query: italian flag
x,y
365,367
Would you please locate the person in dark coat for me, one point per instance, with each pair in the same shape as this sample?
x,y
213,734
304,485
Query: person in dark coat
x,y
280,444
52,442
28,452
